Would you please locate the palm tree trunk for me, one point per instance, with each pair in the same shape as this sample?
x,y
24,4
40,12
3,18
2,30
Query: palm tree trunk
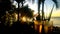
x,y
43,16
43,10
18,11
22,3
38,8
50,13
38,17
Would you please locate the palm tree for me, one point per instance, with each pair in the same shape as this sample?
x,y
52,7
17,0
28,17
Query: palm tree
x,y
25,11
19,1
39,2
4,5
56,3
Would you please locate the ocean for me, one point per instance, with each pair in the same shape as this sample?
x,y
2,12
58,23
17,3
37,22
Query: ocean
x,y
56,21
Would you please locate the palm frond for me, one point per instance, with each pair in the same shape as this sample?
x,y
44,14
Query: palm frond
x,y
19,1
55,1
25,11
33,1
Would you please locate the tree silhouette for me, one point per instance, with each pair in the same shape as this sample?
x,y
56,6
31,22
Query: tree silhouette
x,y
25,11
19,1
42,1
56,3
5,5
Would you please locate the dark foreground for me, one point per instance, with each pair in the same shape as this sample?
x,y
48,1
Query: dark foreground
x,y
19,28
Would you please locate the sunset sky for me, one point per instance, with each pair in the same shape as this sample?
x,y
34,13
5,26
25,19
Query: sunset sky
x,y
56,13
47,7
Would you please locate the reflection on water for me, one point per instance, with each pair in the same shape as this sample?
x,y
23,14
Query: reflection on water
x,y
56,21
